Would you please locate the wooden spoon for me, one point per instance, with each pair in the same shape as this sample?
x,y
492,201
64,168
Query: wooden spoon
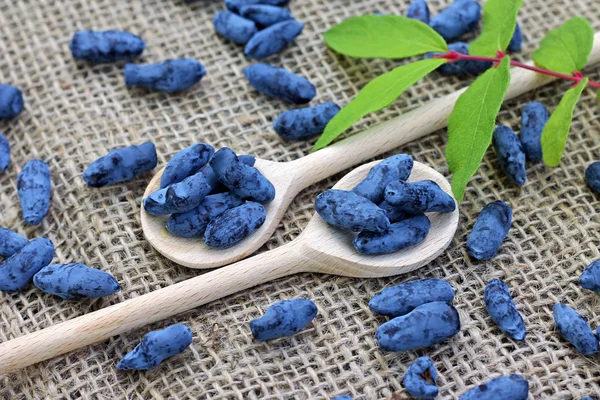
x,y
291,177
320,248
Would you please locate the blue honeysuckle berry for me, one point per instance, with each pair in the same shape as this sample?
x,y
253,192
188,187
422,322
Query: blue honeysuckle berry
x,y
234,225
502,309
18,270
575,329
121,165
157,346
233,27
265,15
400,235
283,318
419,197
280,83
510,153
273,39
420,379
348,211
394,168
34,188
105,46
533,120
426,325
11,101
513,387
401,299
303,123
169,76
193,223
490,229
75,281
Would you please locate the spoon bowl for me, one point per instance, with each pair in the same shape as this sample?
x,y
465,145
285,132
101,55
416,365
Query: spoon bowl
x,y
193,252
333,247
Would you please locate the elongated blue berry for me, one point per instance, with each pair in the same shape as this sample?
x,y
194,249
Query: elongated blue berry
x,y
19,269
193,223
234,225
460,17
213,179
419,197
533,120
265,15
418,10
517,40
11,242
273,39
489,230
394,214
592,176
233,27
105,46
420,379
121,165
244,181
590,278
394,168
349,211
280,83
510,153
75,281
157,346
283,318
303,123
34,188
511,387
575,329
185,163
168,76
398,236
235,5
247,159
424,326
179,197
342,397
11,101
502,309
401,299
4,153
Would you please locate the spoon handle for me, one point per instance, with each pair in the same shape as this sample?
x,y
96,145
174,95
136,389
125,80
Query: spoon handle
x,y
413,125
151,307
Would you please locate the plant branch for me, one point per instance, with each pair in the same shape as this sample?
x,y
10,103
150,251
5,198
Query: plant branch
x,y
576,77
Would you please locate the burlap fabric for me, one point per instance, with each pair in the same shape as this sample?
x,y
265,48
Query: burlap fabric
x,y
77,112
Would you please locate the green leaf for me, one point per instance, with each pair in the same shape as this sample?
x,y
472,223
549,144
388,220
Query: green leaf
x,y
566,48
377,94
554,135
499,22
384,36
471,124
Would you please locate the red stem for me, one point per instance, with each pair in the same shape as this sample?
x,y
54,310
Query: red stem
x,y
577,77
